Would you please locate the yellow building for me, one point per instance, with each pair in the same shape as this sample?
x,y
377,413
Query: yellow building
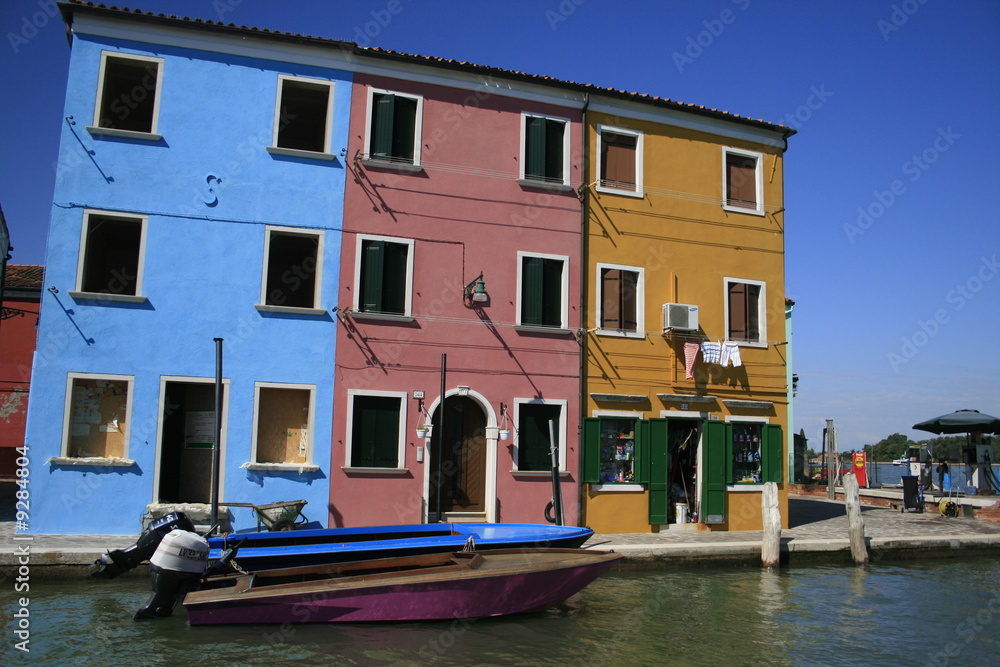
x,y
686,387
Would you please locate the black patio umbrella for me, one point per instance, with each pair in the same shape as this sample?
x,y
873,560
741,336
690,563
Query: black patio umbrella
x,y
963,421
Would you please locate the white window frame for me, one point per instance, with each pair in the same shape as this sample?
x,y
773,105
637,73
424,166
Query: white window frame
x,y
563,295
617,486
418,123
311,428
68,416
601,129
316,308
640,302
563,408
761,309
737,488
408,304
96,128
524,152
79,292
325,154
403,425
758,180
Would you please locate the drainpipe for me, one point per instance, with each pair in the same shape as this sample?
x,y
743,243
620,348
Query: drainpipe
x,y
584,198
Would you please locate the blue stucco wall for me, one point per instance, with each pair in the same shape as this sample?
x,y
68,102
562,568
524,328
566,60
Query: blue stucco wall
x,y
202,277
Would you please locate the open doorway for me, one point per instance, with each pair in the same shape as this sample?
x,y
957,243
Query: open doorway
x,y
459,473
187,437
683,438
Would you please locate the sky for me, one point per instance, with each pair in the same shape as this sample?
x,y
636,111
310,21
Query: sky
x,y
892,235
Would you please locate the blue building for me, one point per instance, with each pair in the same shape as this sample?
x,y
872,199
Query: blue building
x,y
199,196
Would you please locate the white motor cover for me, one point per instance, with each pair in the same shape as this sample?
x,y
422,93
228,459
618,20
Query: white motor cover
x,y
181,551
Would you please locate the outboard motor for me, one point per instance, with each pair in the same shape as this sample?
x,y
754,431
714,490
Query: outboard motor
x,y
116,562
176,567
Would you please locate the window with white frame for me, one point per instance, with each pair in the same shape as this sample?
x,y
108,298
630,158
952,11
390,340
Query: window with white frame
x,y
394,121
542,298
545,149
746,320
375,429
620,300
533,452
283,423
743,181
97,416
292,268
384,275
303,117
111,255
619,160
128,95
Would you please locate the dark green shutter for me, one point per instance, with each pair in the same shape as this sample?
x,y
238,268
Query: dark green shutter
x,y
534,447
383,109
659,491
535,147
394,278
531,290
375,439
554,150
404,129
641,465
774,454
716,461
591,473
372,262
552,292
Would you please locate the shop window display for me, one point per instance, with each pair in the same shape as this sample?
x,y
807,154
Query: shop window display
x,y
617,451
747,454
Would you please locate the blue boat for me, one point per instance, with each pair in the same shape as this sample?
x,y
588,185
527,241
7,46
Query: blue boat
x,y
270,550
278,549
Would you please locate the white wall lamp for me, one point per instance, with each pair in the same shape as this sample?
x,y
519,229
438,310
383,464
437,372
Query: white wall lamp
x,y
475,291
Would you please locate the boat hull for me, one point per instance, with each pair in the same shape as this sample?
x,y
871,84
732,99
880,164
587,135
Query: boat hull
x,y
525,584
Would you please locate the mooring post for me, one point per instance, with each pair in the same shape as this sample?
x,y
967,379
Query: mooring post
x,y
855,524
770,552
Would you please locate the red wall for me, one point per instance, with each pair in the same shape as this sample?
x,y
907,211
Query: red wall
x,y
17,344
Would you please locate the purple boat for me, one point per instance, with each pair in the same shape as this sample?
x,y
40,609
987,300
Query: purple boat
x,y
410,588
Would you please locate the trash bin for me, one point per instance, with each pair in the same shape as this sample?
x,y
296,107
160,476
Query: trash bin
x,y
912,494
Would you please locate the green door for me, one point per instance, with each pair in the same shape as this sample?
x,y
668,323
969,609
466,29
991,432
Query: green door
x,y
659,478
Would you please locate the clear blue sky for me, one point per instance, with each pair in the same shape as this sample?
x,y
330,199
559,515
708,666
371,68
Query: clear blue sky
x,y
892,231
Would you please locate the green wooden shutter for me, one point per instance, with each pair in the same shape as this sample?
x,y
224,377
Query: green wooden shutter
x,y
773,456
715,459
383,110
372,262
554,150
640,467
532,269
394,278
552,281
404,129
534,148
591,451
533,442
659,491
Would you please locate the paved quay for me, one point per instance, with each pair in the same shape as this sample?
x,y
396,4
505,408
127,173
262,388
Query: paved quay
x,y
818,531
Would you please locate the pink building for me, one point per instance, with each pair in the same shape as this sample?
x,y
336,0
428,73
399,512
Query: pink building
x,y
462,238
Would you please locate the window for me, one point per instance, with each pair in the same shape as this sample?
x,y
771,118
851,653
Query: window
x,y
384,270
394,127
293,269
615,450
543,295
128,95
620,298
546,150
534,443
303,117
619,161
745,319
98,409
374,432
283,424
742,181
111,255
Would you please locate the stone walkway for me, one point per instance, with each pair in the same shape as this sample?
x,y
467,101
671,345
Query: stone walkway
x,y
818,527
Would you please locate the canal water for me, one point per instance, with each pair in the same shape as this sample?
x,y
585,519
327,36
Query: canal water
x,y
928,612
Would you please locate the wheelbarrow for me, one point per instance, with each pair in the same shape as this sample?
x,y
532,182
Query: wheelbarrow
x,y
285,515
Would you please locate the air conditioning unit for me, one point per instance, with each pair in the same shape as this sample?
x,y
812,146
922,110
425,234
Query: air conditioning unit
x,y
680,317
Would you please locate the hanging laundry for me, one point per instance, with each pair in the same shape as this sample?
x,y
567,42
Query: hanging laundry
x,y
690,357
711,352
731,353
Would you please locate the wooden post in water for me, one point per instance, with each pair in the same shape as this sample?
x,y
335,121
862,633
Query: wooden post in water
x,y
855,524
770,552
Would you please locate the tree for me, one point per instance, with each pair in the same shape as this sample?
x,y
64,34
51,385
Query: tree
x,y
891,448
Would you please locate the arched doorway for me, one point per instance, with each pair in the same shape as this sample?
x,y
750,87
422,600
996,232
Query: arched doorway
x,y
458,481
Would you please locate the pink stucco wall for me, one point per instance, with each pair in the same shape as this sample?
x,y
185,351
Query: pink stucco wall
x,y
466,213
